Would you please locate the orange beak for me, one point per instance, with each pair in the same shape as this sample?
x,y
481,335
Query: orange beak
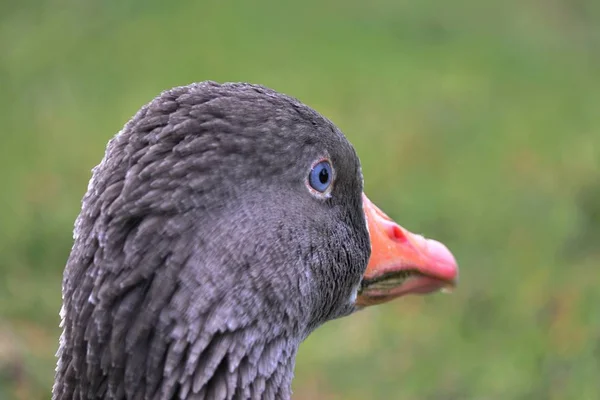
x,y
402,262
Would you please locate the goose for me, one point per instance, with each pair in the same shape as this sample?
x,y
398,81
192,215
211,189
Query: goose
x,y
225,223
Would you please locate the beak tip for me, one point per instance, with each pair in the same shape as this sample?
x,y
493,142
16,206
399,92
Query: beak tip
x,y
445,263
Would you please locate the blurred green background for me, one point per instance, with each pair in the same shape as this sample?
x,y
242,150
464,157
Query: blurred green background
x,y
477,123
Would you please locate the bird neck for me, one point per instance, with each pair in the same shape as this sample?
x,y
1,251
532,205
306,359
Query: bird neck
x,y
250,363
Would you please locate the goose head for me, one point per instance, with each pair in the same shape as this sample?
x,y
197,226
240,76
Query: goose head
x,y
225,223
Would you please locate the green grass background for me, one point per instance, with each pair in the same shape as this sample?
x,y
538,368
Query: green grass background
x,y
477,123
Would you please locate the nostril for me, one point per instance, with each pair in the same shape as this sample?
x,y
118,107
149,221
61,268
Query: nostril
x,y
398,233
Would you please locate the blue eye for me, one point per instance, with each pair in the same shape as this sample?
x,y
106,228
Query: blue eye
x,y
320,176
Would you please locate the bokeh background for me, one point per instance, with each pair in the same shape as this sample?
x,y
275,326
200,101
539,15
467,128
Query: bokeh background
x,y
477,122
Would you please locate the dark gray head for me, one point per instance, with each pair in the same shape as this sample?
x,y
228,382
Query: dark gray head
x,y
202,254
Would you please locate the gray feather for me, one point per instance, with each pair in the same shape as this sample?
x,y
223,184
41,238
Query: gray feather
x,y
200,259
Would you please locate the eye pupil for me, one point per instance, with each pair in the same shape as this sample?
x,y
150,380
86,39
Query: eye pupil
x,y
323,176
320,176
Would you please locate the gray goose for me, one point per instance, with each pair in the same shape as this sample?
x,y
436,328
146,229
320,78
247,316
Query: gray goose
x,y
225,223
